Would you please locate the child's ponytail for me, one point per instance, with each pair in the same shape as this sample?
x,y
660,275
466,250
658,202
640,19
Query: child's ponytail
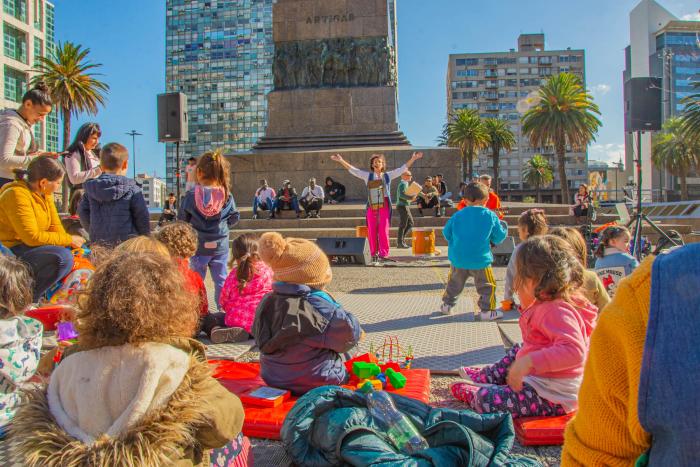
x,y
213,166
534,221
244,251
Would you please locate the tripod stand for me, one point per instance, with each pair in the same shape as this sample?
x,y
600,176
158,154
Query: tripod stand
x,y
639,216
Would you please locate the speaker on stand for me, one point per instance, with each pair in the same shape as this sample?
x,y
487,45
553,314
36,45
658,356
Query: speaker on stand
x,y
173,125
643,113
350,250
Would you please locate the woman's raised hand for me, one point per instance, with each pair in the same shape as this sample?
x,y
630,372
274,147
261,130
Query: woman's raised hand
x,y
416,155
337,157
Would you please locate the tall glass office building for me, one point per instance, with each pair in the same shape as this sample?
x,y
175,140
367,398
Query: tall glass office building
x,y
219,53
28,32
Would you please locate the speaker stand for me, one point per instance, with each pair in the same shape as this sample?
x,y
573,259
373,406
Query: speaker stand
x,y
177,169
639,217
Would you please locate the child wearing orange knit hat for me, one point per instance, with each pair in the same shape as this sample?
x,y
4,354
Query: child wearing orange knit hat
x,y
301,331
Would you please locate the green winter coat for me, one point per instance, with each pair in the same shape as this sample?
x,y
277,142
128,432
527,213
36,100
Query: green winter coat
x,y
332,426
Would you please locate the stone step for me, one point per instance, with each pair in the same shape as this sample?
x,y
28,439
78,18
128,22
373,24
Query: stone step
x,y
313,233
351,222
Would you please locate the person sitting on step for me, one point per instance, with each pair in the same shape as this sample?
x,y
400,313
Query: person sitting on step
x,y
286,199
169,210
264,199
335,191
429,197
312,199
246,285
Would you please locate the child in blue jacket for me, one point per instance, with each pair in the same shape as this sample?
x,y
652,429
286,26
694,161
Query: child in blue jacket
x,y
301,331
470,233
113,208
211,210
613,250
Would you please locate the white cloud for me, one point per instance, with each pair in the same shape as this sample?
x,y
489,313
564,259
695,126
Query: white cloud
x,y
691,16
600,89
609,152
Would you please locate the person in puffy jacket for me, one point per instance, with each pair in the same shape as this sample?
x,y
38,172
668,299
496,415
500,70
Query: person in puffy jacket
x,y
113,208
300,329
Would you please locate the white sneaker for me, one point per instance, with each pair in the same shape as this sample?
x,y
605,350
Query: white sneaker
x,y
491,315
446,309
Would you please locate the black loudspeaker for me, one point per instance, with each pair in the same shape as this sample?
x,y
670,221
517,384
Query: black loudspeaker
x,y
642,104
172,118
353,250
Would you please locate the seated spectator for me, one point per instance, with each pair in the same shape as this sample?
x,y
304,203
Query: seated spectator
x,y
613,261
335,191
286,199
180,239
169,210
248,282
301,331
632,407
30,225
494,202
113,208
542,376
429,197
264,199
21,337
582,200
135,389
312,199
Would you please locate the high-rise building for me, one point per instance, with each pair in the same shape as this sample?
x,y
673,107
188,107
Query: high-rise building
x,y
219,53
494,83
154,190
661,46
28,32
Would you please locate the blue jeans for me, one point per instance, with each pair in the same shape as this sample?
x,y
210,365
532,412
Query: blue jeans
x,y
49,264
217,268
266,204
279,204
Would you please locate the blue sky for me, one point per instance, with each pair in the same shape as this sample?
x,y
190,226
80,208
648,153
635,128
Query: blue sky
x,y
128,38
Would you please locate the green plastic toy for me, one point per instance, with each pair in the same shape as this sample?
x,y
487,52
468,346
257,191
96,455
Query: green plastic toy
x,y
396,379
365,370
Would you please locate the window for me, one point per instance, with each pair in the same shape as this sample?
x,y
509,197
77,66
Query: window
x,y
15,83
545,60
522,60
38,14
38,49
463,73
490,61
467,61
15,43
506,61
16,9
511,71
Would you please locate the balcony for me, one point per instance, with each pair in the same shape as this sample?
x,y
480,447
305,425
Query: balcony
x,y
490,74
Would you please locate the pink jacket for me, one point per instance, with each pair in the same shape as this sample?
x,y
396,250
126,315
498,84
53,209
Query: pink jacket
x,y
556,335
240,308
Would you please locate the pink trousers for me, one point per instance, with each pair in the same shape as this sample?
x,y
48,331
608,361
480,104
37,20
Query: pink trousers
x,y
378,222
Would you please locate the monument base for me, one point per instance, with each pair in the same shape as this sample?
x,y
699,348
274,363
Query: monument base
x,y
299,165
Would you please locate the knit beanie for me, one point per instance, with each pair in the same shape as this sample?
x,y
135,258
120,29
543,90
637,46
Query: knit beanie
x,y
295,260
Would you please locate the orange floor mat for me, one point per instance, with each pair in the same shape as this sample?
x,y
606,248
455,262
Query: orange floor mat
x,y
266,422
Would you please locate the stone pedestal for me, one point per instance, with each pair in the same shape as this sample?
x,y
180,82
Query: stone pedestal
x,y
298,166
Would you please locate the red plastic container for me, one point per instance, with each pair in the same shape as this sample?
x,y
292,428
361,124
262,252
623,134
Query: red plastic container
x,y
541,431
48,315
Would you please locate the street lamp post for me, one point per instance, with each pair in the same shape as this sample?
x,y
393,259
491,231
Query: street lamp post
x,y
134,134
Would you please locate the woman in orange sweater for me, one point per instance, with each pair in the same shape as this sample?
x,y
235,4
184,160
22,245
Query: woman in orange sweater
x,y
638,399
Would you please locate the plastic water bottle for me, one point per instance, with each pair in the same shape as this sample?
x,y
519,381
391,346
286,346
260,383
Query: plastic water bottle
x,y
402,433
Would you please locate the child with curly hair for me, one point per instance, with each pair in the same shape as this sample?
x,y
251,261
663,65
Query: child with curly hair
x,y
250,279
530,223
20,336
542,376
135,389
181,240
211,210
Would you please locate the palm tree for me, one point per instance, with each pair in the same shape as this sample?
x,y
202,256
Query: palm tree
x,y
675,150
691,113
538,173
465,130
501,137
565,115
74,89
